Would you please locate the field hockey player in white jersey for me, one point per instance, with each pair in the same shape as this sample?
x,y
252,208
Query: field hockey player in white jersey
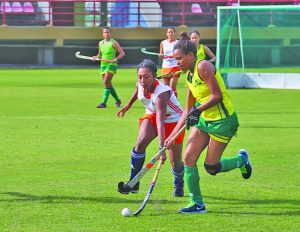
x,y
169,65
162,114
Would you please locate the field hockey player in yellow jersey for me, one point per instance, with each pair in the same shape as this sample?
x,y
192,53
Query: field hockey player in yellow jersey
x,y
212,124
202,50
108,50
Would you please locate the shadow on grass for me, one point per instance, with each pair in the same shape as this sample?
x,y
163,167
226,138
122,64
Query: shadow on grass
x,y
255,212
54,199
270,126
266,206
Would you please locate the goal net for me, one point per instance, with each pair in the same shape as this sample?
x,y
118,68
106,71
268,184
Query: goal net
x,y
259,46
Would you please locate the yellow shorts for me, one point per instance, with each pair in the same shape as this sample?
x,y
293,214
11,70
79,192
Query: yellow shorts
x,y
222,139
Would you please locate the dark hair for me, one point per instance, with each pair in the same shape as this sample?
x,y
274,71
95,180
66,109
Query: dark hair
x,y
149,64
186,46
108,28
184,36
173,28
195,31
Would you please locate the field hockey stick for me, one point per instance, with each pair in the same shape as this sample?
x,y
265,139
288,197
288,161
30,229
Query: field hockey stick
x,y
77,54
144,50
150,190
169,75
126,188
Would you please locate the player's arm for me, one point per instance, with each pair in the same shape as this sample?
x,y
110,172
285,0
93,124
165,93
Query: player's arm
x,y
161,50
206,71
120,51
161,109
99,51
125,108
210,54
190,101
98,56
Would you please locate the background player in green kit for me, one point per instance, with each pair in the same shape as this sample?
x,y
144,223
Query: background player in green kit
x,y
213,124
108,50
202,50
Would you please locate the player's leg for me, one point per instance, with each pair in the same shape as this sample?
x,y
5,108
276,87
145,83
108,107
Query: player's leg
x,y
114,94
107,89
173,84
166,81
146,134
113,91
110,73
215,164
197,142
165,71
175,156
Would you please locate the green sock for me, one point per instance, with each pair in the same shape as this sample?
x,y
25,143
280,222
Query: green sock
x,y
106,93
114,94
228,164
192,179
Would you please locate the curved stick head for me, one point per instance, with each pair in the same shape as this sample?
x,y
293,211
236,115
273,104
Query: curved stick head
x,y
143,49
77,53
123,188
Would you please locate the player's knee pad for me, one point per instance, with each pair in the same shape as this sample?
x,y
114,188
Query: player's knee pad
x,y
212,169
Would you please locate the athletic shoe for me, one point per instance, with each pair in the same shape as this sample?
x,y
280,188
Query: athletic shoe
x,y
118,103
196,208
246,168
101,106
178,190
136,188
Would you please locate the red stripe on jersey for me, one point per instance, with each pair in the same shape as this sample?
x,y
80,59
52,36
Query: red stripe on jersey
x,y
174,107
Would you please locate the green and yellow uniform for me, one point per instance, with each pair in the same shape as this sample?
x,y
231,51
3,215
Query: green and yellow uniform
x,y
200,56
200,53
108,52
220,121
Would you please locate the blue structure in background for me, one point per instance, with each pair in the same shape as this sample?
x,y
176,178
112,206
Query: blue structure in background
x,y
125,14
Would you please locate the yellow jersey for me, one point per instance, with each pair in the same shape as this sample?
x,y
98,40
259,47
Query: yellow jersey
x,y
201,53
201,93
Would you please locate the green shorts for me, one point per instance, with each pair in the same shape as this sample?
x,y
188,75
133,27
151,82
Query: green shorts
x,y
221,130
108,68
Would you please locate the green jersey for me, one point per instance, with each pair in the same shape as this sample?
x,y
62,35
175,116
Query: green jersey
x,y
108,52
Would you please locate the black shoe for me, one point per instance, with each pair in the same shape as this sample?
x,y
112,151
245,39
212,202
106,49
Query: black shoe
x,y
196,208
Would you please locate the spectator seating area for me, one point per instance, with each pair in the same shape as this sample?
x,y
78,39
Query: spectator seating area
x,y
17,7
20,13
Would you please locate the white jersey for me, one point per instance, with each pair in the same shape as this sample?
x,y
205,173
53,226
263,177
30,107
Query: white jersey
x,y
168,48
174,110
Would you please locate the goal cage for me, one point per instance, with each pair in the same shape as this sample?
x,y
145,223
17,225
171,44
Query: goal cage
x,y
259,46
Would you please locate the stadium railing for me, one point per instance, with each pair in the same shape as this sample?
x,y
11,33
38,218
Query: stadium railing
x,y
54,29
117,13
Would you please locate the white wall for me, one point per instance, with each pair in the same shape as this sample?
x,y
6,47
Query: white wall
x,y
264,80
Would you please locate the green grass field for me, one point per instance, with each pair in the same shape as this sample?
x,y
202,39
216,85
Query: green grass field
x,y
61,159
